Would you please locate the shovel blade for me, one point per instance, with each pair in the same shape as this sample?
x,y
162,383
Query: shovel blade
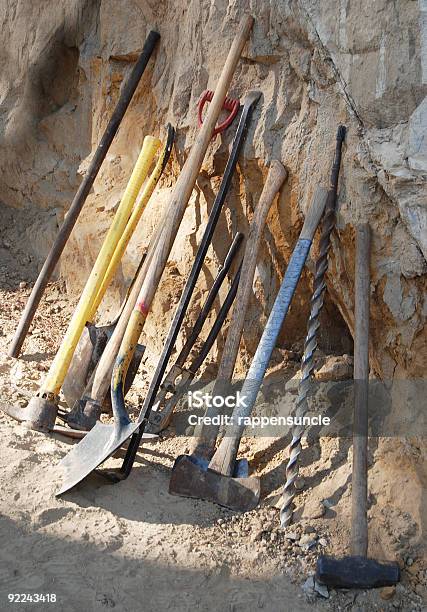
x,y
190,479
96,447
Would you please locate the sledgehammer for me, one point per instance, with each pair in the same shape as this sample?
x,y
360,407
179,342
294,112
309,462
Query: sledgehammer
x,y
357,571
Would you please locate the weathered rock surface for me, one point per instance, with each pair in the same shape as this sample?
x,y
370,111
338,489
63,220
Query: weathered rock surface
x,y
317,64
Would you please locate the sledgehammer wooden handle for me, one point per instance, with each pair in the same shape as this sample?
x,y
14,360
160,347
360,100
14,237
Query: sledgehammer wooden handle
x,y
204,443
359,523
275,179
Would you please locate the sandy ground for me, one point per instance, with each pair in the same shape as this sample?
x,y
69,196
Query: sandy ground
x,y
132,546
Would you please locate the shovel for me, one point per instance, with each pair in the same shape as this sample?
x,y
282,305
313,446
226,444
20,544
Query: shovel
x,y
79,199
218,482
82,457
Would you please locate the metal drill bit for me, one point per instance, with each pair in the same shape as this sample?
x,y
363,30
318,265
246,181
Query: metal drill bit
x,y
307,364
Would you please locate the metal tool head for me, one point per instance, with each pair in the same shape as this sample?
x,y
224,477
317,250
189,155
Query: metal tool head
x,y
95,448
39,414
86,411
191,478
86,356
251,97
356,572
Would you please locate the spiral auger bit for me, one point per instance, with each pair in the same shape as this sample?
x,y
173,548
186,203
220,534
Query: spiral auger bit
x,y
310,346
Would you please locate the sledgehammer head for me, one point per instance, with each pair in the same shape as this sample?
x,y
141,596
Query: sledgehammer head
x,y
191,479
356,572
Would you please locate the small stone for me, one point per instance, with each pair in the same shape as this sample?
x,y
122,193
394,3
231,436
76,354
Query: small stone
x,y
273,536
307,541
387,592
308,586
323,542
299,483
313,510
336,368
256,536
327,503
220,521
22,285
413,569
409,561
291,535
309,529
321,589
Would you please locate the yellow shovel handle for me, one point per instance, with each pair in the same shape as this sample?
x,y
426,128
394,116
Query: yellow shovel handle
x,y
130,228
60,365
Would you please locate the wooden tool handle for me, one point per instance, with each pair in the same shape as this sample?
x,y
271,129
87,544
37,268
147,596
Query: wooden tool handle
x,y
276,177
187,178
204,443
359,526
314,214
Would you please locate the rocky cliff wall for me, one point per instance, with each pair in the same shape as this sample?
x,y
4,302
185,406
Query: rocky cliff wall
x,y
317,64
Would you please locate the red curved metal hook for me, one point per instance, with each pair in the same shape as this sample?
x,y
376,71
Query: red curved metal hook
x,y
230,104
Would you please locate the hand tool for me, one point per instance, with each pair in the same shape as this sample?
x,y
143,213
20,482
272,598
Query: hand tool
x,y
307,365
218,483
204,444
179,200
79,199
87,354
42,409
230,104
357,570
179,377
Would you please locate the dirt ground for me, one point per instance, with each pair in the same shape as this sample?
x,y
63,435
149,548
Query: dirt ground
x,y
132,546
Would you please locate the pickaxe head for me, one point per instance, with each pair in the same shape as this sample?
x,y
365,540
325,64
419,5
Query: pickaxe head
x,y
39,414
356,572
191,478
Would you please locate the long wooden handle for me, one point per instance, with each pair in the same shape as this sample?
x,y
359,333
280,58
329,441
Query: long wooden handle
x,y
188,175
152,271
275,179
359,526
204,442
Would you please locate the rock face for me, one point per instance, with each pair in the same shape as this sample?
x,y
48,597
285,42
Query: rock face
x,y
317,64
